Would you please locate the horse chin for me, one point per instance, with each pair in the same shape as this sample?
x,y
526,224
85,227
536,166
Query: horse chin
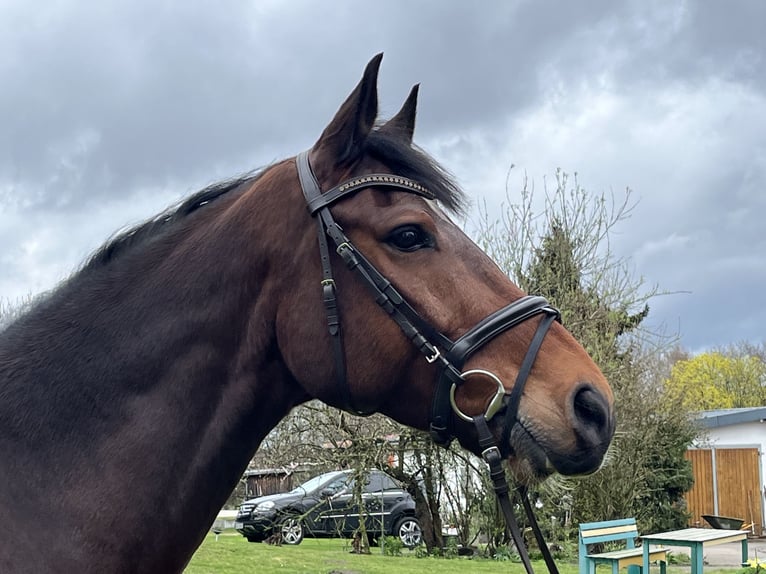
x,y
528,461
527,472
531,462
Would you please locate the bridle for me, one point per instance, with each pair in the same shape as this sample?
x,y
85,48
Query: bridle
x,y
437,348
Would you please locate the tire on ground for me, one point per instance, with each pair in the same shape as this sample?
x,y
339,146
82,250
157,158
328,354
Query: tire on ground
x,y
408,530
291,529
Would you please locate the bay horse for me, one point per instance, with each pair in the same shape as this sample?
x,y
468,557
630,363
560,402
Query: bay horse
x,y
133,395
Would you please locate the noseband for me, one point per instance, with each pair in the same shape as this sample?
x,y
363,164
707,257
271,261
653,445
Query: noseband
x,y
449,356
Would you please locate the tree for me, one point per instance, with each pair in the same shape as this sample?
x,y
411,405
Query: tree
x,y
321,438
447,484
564,254
717,381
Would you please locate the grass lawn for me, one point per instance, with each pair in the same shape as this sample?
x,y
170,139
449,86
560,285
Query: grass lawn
x,y
232,554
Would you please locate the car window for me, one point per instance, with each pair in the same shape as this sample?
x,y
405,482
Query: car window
x,y
389,483
338,485
378,481
313,483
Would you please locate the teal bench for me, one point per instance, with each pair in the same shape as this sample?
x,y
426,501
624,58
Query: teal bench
x,y
615,531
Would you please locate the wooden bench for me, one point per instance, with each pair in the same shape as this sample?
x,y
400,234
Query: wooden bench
x,y
614,531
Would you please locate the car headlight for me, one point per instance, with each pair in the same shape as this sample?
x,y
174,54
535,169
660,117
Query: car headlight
x,y
263,506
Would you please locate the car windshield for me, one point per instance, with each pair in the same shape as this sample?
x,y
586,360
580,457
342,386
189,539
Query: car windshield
x,y
315,482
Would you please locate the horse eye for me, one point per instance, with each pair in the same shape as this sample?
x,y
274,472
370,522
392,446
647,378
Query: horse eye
x,y
409,238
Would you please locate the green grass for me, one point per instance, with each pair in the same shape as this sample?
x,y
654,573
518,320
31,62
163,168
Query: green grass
x,y
232,554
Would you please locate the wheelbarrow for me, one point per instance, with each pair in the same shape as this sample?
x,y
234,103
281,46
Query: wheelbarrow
x,y
726,522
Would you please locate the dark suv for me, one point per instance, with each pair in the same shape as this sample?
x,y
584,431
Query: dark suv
x,y
324,506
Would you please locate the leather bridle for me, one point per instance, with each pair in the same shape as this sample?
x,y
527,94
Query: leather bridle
x,y
450,356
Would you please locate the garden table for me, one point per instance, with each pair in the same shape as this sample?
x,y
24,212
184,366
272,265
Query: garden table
x,y
695,539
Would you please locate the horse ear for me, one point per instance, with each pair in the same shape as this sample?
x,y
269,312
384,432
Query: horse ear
x,y
403,123
341,141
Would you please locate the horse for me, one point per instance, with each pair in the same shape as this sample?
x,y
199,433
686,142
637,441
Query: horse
x,y
134,394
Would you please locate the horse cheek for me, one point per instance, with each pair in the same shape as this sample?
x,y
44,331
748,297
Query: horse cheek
x,y
303,342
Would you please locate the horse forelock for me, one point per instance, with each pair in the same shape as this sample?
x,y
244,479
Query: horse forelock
x,y
409,161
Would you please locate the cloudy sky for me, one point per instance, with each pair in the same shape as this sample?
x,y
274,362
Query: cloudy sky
x,y
110,111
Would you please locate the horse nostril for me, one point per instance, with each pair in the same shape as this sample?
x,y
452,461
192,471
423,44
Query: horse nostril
x,y
592,418
593,423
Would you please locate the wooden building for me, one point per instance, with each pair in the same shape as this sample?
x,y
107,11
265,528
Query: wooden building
x,y
729,467
263,481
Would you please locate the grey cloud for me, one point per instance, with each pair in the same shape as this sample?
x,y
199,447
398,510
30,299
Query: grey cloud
x,y
109,111
132,92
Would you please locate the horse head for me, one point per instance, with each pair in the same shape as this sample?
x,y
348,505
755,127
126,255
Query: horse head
x,y
356,357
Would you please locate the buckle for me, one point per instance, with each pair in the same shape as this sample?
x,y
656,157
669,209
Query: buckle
x,y
436,354
491,455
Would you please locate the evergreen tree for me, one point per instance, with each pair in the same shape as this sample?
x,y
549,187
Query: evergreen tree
x,y
563,254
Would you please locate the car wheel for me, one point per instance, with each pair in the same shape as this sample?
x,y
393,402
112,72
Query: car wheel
x,y
291,530
409,532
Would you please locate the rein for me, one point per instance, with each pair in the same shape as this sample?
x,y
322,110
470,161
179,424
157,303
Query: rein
x,y
450,356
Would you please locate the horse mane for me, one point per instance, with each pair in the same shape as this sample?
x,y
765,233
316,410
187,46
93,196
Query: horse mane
x,y
146,231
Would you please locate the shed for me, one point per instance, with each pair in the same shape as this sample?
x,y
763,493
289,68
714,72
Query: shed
x,y
729,466
263,481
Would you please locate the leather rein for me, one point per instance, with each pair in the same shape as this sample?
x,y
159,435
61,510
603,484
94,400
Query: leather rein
x,y
437,348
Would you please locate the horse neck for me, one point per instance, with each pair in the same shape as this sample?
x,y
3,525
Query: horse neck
x,y
130,391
